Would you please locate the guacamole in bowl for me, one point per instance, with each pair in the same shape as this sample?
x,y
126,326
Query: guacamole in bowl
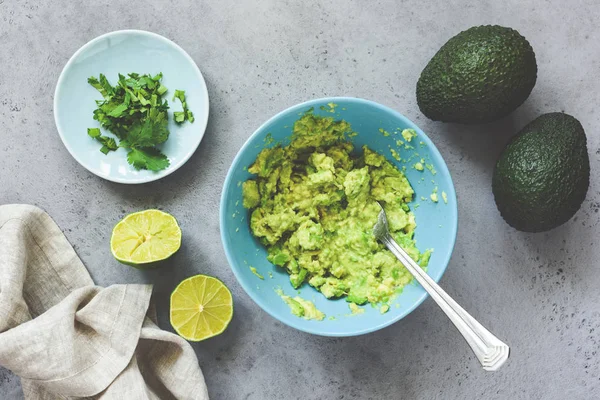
x,y
313,204
299,204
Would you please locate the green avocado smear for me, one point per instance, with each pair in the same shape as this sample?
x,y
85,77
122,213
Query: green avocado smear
x,y
313,204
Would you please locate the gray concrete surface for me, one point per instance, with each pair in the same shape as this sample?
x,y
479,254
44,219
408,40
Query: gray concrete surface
x,y
539,292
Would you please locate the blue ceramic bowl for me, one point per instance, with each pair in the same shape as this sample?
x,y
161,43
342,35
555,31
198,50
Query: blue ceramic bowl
x,y
436,222
123,52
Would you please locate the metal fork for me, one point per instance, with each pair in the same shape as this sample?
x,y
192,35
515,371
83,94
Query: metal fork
x,y
491,352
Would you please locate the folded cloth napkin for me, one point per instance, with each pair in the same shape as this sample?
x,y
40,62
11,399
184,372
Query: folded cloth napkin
x,y
69,339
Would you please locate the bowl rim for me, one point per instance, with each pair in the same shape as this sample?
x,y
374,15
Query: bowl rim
x,y
202,119
225,192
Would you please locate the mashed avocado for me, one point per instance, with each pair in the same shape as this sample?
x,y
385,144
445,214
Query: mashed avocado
x,y
313,205
300,307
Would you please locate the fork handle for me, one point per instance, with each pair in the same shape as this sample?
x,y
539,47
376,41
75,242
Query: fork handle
x,y
490,351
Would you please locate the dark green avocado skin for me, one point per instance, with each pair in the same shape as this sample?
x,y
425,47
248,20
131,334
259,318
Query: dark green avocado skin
x,y
543,174
480,75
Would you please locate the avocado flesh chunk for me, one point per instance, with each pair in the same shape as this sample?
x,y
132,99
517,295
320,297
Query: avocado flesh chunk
x,y
480,75
542,176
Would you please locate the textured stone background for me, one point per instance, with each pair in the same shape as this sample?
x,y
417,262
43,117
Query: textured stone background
x,y
538,292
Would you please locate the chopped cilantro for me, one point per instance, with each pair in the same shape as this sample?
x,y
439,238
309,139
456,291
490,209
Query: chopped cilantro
x,y
108,143
182,116
135,112
94,133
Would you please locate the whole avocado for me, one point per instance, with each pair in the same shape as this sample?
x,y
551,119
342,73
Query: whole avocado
x,y
543,174
480,75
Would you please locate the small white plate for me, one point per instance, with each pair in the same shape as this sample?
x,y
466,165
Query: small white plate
x,y
125,52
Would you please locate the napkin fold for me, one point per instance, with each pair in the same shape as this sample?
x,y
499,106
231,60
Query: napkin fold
x,y
67,338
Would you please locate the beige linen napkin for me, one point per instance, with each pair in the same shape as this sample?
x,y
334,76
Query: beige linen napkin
x,y
67,338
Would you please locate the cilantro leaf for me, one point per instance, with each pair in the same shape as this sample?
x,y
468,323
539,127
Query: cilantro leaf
x,y
102,85
179,116
179,94
94,132
149,158
151,131
105,149
108,144
149,82
185,115
118,110
142,99
106,86
96,84
161,90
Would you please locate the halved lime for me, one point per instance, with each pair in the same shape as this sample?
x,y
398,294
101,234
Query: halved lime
x,y
201,307
143,238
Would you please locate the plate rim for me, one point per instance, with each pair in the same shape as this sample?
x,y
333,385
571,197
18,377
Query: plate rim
x,y
203,118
